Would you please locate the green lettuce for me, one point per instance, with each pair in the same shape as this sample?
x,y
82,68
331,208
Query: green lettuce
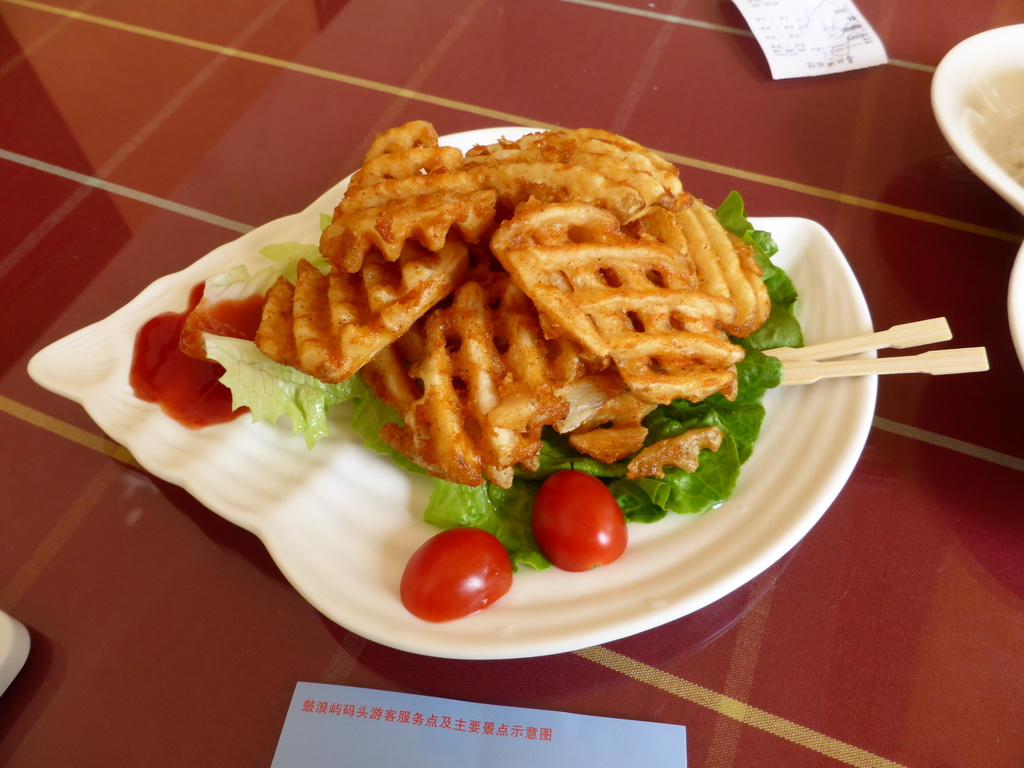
x,y
272,391
239,283
503,512
269,390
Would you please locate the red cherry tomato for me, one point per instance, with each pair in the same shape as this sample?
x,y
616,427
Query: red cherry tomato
x,y
576,521
455,573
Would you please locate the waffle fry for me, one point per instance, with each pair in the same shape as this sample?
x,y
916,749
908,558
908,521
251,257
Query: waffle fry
x,y
474,403
681,451
605,419
562,280
329,326
725,265
587,165
417,133
408,190
632,300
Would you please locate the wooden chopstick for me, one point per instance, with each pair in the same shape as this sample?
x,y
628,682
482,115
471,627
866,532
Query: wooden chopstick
x,y
937,362
897,337
804,365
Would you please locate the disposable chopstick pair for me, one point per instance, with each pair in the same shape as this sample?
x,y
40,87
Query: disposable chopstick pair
x,y
804,365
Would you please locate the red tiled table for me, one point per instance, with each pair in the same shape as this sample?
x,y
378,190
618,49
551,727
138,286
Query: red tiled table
x,y
136,137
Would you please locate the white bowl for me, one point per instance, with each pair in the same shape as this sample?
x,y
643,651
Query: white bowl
x,y
978,99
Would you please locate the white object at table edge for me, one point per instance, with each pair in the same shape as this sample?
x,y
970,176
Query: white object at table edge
x,y
14,648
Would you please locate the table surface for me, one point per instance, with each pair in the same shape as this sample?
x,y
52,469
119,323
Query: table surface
x,y
136,137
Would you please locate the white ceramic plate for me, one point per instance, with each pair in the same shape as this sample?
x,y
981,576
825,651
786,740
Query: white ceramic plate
x,y
978,99
341,522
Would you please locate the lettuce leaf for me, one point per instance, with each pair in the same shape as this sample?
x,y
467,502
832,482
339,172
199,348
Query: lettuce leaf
x,y
269,390
272,391
503,512
369,415
286,257
238,283
649,499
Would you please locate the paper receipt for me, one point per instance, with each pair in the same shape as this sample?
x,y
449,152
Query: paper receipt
x,y
805,38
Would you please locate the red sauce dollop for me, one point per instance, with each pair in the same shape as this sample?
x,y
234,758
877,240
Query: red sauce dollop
x,y
186,386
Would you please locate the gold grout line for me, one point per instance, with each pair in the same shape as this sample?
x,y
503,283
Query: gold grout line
x,y
92,182
670,18
841,197
344,660
386,118
290,66
506,117
736,709
949,443
741,672
712,26
58,536
25,52
68,431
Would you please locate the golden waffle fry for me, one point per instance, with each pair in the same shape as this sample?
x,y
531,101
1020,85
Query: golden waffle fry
x,y
275,335
631,300
484,388
387,375
408,189
604,291
331,325
587,393
682,451
411,135
587,165
397,165
605,419
725,265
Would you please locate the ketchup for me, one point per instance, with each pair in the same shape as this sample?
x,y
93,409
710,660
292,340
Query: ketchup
x,y
169,367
